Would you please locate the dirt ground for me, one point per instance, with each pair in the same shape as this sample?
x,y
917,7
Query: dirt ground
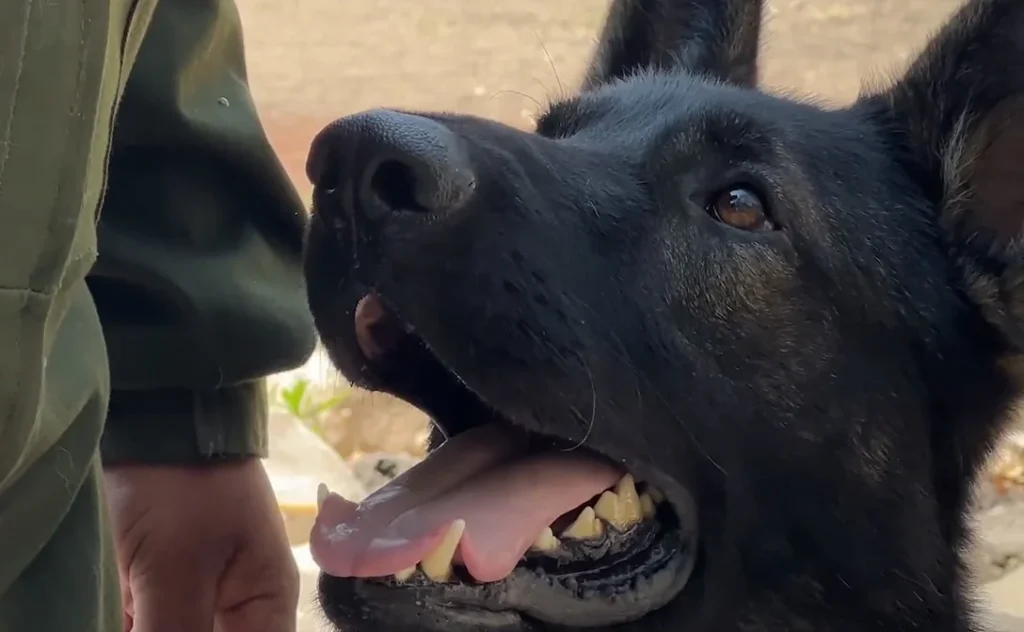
x,y
315,60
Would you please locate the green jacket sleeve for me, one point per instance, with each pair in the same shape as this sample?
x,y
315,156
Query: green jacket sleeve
x,y
199,280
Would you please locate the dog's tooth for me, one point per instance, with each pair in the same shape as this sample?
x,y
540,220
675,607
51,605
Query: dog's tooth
x,y
321,495
609,509
655,494
585,526
437,566
630,511
546,542
648,506
405,574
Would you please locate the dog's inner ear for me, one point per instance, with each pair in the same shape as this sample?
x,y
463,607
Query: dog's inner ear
x,y
713,38
994,176
957,117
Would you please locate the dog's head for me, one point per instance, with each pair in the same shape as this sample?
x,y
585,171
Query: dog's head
x,y
708,359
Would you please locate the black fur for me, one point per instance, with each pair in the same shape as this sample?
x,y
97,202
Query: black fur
x,y
828,390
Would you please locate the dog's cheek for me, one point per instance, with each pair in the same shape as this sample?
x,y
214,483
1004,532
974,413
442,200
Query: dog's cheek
x,y
770,338
753,295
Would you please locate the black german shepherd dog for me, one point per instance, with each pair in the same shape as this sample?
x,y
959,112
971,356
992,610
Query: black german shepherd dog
x,y
704,359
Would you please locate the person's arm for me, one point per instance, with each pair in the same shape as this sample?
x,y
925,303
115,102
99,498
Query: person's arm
x,y
200,294
199,282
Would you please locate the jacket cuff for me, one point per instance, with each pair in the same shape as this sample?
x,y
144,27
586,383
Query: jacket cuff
x,y
183,426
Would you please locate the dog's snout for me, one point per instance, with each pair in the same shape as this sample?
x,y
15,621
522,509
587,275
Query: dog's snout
x,y
390,162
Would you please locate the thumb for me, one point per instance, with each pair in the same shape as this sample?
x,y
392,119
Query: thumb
x,y
177,598
272,613
260,591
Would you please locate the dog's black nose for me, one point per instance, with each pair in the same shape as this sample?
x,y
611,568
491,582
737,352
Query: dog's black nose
x,y
388,162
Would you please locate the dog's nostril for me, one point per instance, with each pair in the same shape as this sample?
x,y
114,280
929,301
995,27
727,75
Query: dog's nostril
x,y
394,184
390,163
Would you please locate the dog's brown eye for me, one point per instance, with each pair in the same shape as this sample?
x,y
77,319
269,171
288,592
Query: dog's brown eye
x,y
741,208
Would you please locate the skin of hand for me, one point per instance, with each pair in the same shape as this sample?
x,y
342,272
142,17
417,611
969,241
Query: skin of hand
x,y
201,548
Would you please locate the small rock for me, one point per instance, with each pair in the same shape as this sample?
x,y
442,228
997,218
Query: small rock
x,y
375,422
1000,540
1007,594
377,469
1000,622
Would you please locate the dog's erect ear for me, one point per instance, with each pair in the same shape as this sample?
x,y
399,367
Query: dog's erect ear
x,y
958,115
717,38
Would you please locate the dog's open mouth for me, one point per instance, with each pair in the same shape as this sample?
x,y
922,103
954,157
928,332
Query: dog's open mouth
x,y
498,519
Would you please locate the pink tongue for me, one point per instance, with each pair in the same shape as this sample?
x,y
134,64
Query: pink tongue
x,y
506,495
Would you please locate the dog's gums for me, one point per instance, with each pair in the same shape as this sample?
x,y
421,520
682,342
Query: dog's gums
x,y
699,358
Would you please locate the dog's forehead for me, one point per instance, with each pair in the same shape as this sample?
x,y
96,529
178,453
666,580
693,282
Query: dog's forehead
x,y
646,111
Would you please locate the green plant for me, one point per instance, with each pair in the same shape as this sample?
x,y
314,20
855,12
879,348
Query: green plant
x,y
304,403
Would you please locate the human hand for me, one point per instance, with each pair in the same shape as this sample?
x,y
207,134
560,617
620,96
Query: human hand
x,y
201,548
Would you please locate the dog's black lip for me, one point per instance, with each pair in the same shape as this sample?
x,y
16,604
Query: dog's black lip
x,y
573,600
522,602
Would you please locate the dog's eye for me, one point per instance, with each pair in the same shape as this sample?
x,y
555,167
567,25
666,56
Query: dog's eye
x,y
741,208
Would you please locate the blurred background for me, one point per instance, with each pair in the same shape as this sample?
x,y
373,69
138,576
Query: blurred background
x,y
316,60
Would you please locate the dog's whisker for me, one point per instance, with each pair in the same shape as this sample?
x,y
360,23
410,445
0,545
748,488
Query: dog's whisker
x,y
593,406
551,62
533,99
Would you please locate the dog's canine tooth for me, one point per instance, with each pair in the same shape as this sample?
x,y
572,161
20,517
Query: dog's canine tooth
x,y
546,542
405,574
609,509
655,494
585,526
437,565
630,511
321,495
648,506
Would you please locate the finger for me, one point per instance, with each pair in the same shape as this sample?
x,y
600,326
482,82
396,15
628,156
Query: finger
x,y
174,601
264,614
127,603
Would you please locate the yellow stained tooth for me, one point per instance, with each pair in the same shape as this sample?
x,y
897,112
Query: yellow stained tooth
x,y
405,574
585,526
655,494
321,495
629,502
546,541
648,506
437,566
609,509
